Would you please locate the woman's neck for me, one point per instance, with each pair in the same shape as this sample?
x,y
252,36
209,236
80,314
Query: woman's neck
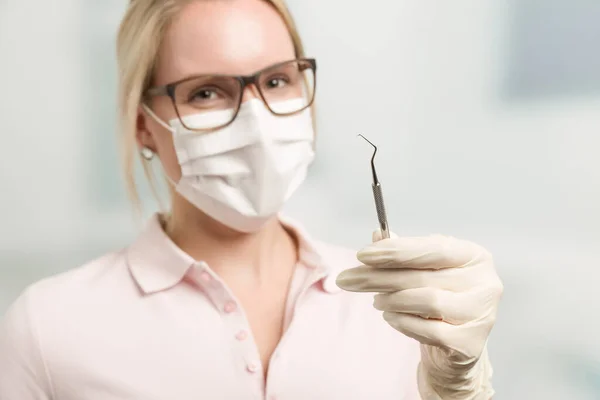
x,y
250,257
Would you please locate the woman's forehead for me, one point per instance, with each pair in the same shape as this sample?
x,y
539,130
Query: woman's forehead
x,y
236,37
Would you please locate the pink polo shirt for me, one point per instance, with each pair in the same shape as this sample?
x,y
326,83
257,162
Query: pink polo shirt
x,y
151,323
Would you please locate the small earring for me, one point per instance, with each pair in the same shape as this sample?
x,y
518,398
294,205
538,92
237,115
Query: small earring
x,y
147,154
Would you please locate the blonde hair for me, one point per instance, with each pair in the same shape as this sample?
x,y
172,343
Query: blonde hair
x,y
139,39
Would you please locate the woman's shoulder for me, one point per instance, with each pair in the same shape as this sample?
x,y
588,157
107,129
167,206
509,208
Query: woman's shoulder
x,y
76,280
49,300
44,317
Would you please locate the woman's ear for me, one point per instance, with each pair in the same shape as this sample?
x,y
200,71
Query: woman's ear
x,y
143,135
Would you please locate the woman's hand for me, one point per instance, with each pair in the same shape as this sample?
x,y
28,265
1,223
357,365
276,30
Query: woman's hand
x,y
443,292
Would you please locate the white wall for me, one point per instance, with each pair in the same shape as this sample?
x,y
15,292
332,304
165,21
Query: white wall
x,y
424,80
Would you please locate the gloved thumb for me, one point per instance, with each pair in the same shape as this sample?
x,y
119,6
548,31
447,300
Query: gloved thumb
x,y
377,236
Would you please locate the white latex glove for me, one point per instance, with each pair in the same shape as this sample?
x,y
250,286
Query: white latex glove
x,y
443,292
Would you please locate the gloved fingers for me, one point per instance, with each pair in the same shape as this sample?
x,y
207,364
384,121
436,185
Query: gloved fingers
x,y
431,303
432,252
426,331
369,279
465,342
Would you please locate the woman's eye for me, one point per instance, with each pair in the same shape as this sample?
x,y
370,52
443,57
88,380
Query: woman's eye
x,y
276,83
204,94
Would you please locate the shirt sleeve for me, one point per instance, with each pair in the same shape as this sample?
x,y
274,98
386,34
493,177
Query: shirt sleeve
x,y
23,375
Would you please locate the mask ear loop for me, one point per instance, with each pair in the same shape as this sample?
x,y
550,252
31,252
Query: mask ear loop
x,y
155,117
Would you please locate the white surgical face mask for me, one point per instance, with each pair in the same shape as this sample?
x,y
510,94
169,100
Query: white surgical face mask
x,y
242,175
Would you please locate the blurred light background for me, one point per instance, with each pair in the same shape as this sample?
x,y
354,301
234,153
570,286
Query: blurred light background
x,y
487,114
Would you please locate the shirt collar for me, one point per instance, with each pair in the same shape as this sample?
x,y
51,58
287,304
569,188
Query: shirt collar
x,y
157,264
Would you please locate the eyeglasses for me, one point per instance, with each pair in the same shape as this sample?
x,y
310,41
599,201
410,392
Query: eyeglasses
x,y
285,88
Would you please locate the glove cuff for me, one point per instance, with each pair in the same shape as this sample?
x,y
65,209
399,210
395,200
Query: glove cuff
x,y
469,381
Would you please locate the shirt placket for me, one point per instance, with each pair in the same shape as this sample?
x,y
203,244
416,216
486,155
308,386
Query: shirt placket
x,y
273,390
237,328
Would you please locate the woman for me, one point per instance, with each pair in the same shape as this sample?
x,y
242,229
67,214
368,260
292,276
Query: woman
x,y
222,298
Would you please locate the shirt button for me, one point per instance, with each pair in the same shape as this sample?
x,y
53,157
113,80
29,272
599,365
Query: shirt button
x,y
241,335
205,276
252,367
230,307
